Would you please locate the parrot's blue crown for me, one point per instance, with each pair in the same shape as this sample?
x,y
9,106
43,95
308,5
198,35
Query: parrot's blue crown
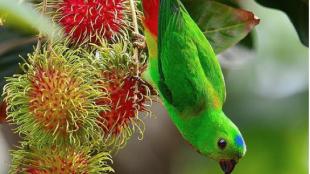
x,y
240,141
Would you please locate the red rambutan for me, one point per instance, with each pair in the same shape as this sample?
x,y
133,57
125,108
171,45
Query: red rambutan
x,y
127,95
3,114
86,20
122,102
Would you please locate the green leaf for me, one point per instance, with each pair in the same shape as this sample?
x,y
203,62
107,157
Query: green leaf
x,y
23,17
297,11
12,46
223,25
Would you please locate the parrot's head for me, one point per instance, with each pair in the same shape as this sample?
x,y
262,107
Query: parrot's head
x,y
223,142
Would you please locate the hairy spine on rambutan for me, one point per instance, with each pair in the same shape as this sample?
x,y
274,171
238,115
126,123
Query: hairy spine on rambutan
x,y
117,76
88,21
54,101
59,160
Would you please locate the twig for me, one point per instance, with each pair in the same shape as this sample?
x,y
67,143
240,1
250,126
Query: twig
x,y
135,52
40,36
136,30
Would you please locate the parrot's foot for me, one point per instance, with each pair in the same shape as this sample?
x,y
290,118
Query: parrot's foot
x,y
138,40
151,89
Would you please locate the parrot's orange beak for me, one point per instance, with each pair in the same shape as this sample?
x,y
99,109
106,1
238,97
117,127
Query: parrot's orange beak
x,y
228,165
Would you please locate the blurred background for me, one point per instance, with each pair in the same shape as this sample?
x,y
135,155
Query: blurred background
x,y
267,97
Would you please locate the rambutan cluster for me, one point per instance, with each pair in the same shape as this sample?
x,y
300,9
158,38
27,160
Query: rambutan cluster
x,y
79,97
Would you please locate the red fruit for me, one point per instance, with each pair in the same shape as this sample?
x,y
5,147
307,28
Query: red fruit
x,y
3,112
84,19
32,171
123,107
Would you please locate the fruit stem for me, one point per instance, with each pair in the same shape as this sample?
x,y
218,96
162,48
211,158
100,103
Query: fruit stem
x,y
136,30
136,50
40,36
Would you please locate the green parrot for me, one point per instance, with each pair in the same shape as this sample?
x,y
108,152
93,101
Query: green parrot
x,y
185,70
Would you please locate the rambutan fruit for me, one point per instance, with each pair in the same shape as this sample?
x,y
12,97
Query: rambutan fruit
x,y
123,107
59,160
128,95
54,101
85,21
3,114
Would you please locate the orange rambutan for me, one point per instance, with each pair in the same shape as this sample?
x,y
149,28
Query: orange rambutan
x,y
54,101
60,160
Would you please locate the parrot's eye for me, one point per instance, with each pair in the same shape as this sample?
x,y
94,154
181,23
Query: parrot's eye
x,y
222,144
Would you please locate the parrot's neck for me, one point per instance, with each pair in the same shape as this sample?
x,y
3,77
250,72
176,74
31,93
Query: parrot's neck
x,y
151,41
195,128
150,20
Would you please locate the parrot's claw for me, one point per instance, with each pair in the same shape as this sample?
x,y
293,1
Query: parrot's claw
x,y
141,81
138,40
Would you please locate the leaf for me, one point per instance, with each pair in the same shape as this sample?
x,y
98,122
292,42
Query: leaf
x,y
12,46
23,17
224,26
232,3
297,11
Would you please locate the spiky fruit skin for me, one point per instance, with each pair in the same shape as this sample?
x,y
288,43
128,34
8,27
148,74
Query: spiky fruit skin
x,y
84,20
51,93
60,160
124,106
54,101
3,114
122,86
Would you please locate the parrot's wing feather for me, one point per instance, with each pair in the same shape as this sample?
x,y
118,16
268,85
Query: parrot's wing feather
x,y
182,79
210,65
184,49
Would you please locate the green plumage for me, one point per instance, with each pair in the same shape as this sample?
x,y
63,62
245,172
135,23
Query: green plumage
x,y
191,71
192,87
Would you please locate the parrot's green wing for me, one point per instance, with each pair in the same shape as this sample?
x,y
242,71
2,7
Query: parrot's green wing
x,y
190,76
210,64
182,80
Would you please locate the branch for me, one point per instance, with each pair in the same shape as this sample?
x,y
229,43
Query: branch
x,y
136,30
40,36
135,53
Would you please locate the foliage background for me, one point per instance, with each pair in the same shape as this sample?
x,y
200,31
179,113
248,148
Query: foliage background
x,y
267,97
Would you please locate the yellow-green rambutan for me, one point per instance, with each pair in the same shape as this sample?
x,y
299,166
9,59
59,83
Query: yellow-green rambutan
x,y
53,102
59,160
